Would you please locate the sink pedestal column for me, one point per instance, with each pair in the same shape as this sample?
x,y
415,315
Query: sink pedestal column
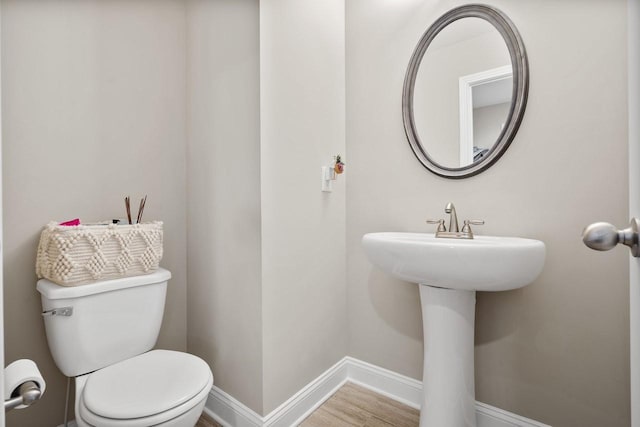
x,y
448,397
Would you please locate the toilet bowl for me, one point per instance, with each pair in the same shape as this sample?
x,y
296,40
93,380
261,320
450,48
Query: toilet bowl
x,y
102,335
158,388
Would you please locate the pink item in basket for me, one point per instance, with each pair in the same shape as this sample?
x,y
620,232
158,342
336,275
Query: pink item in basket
x,y
72,222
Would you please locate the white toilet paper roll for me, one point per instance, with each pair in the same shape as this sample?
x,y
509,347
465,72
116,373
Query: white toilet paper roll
x,y
19,372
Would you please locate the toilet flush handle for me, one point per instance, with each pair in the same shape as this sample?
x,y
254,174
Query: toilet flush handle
x,y
61,311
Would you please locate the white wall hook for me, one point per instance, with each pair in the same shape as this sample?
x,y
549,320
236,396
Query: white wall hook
x,y
328,176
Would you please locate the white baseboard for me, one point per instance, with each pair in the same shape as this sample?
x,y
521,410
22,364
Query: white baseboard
x,y
307,400
231,413
490,416
385,382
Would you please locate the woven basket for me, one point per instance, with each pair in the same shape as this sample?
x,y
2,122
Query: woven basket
x,y
77,255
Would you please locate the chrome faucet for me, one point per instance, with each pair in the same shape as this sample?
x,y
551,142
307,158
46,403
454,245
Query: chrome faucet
x,y
454,231
453,219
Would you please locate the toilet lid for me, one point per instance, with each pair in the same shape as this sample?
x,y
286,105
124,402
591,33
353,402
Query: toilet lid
x,y
145,385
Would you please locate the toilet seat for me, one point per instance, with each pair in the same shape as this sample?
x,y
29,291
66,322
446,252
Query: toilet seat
x,y
145,390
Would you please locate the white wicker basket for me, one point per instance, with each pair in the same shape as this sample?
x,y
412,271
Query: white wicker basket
x,y
77,255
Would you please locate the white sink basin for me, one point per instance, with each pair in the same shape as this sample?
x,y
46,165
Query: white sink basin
x,y
449,272
484,263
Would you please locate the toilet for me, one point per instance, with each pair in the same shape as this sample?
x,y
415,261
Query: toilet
x,y
102,335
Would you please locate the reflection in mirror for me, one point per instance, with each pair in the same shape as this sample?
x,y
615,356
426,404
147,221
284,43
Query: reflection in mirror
x,y
456,110
485,99
465,91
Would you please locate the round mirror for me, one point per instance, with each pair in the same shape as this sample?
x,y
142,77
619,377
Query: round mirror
x,y
465,91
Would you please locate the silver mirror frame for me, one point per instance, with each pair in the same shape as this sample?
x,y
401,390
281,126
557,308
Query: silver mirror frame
x,y
520,90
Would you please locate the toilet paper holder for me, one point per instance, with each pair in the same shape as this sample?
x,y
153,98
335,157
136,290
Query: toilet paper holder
x,y
26,394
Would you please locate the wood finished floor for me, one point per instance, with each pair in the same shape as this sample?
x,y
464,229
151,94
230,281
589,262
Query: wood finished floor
x,y
205,421
356,406
353,406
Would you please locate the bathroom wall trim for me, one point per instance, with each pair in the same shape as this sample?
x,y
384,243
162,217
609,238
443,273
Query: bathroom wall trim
x,y
633,49
229,412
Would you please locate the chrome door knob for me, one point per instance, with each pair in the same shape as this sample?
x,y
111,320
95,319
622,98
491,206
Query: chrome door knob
x,y
603,236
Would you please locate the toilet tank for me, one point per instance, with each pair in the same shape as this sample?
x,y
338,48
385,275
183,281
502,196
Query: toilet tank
x,y
92,326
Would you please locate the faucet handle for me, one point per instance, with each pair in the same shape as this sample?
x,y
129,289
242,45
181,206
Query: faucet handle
x,y
440,223
466,228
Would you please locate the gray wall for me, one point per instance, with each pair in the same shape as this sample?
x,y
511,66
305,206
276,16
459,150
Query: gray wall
x,y
93,106
488,122
266,251
558,350
109,82
302,101
111,98
224,230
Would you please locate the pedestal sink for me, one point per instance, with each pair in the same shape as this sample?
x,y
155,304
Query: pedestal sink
x,y
449,272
